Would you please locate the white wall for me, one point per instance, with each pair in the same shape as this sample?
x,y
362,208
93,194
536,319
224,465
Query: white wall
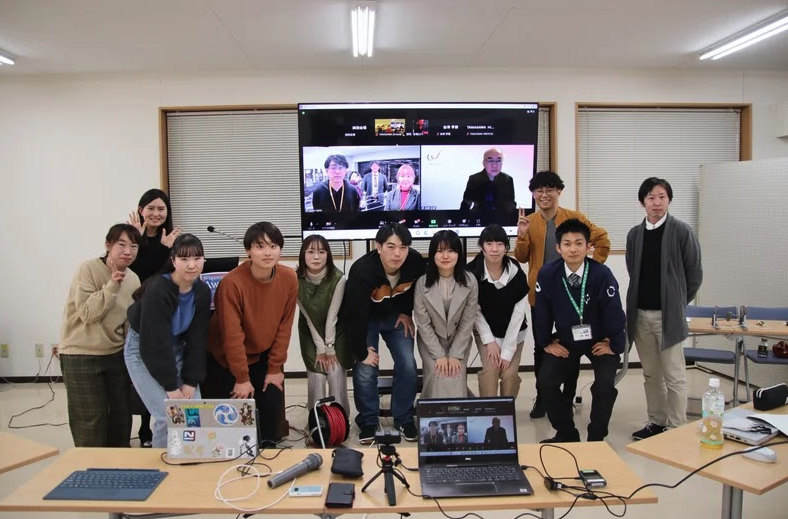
x,y
77,152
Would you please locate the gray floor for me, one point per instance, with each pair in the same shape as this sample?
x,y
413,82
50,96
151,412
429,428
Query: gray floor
x,y
698,498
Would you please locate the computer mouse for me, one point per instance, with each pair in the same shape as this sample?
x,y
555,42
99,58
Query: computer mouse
x,y
764,454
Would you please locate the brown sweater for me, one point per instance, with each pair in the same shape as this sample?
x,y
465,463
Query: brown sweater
x,y
94,320
253,317
531,248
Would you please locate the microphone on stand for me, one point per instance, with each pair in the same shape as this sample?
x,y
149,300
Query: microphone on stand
x,y
213,229
310,463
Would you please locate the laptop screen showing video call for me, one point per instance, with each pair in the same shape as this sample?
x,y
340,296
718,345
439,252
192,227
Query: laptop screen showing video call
x,y
473,428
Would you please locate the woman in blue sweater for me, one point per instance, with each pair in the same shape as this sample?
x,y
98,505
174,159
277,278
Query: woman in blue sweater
x,y
168,331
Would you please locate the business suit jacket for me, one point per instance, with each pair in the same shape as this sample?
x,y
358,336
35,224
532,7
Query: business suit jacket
x,y
496,438
393,200
383,187
438,336
474,199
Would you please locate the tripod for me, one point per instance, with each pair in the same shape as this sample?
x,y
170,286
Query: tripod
x,y
387,454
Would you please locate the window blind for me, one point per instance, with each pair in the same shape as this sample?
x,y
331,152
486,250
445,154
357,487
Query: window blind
x,y
232,169
618,148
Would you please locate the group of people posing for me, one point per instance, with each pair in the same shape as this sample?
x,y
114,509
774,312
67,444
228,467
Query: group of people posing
x,y
140,315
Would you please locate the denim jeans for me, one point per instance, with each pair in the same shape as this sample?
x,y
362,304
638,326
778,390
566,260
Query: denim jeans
x,y
365,378
151,393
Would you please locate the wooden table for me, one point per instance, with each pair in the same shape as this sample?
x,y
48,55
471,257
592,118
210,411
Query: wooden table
x,y
769,329
190,489
16,452
681,448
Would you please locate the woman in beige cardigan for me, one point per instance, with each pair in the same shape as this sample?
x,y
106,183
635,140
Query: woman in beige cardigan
x,y
444,309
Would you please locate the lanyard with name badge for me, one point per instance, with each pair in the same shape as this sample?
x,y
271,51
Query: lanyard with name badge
x,y
581,332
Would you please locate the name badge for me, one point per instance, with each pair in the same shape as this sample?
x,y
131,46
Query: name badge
x,y
581,332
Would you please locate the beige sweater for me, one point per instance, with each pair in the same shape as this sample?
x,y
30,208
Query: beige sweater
x,y
94,321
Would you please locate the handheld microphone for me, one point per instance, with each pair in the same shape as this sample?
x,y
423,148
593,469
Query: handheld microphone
x,y
213,229
310,463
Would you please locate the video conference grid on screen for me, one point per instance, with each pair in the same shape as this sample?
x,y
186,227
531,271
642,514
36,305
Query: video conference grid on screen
x,y
454,429
430,166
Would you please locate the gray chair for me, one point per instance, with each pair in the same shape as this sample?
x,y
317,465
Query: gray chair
x,y
761,313
694,354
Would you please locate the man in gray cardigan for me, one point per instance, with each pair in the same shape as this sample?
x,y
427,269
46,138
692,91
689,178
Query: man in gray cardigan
x,y
665,273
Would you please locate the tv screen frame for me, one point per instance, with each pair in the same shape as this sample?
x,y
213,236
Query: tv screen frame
x,y
458,166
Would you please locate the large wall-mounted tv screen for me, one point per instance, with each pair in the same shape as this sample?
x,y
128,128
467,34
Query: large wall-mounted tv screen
x,y
430,166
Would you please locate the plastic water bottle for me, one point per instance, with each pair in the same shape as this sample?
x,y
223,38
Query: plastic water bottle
x,y
713,408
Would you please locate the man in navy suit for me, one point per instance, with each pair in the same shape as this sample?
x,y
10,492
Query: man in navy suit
x,y
374,185
578,296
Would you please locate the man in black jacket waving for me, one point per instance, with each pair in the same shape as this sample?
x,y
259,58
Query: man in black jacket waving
x,y
379,302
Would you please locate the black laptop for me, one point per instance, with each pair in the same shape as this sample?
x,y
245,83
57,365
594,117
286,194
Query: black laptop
x,y
468,447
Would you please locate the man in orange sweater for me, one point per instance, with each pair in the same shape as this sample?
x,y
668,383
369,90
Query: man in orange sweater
x,y
536,245
250,331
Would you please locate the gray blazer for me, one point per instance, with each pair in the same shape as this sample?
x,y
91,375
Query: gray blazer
x,y
393,198
443,337
681,275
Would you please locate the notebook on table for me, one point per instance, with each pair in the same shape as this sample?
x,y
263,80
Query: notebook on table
x,y
468,447
742,426
211,429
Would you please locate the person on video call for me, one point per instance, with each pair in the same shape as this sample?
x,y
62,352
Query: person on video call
x,y
373,187
496,435
490,192
406,196
336,194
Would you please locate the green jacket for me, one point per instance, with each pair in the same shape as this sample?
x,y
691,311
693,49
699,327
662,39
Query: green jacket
x,y
315,300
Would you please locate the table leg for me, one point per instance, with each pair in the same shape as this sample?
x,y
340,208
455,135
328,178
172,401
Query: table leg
x,y
731,502
548,513
737,359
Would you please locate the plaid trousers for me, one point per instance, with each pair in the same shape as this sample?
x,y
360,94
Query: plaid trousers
x,y
98,391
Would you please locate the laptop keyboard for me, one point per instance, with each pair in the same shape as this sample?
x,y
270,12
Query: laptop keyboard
x,y
116,479
494,473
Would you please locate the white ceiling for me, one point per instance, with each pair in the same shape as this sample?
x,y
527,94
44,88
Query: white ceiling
x,y
182,36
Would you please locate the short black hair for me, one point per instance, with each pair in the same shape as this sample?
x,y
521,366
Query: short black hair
x,y
432,422
258,233
116,232
493,233
572,225
387,230
652,182
545,179
338,159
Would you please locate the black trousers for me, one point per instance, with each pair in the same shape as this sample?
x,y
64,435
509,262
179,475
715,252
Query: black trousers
x,y
219,383
570,384
554,372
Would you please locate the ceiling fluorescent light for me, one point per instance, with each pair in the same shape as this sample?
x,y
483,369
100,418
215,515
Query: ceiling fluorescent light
x,y
5,60
362,23
754,34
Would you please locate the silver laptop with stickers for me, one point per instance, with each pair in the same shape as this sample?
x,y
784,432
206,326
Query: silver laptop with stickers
x,y
206,429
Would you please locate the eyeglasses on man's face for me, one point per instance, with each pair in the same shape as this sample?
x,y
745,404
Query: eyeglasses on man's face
x,y
545,191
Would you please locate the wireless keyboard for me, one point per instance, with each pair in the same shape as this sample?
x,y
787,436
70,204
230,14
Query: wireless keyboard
x,y
108,485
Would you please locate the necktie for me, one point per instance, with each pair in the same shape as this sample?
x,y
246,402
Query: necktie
x,y
574,280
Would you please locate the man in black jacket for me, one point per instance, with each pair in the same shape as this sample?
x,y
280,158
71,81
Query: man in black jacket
x,y
579,297
490,192
379,301
496,435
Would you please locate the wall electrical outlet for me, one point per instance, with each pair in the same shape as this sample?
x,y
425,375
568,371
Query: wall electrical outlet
x,y
4,350
40,350
54,346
